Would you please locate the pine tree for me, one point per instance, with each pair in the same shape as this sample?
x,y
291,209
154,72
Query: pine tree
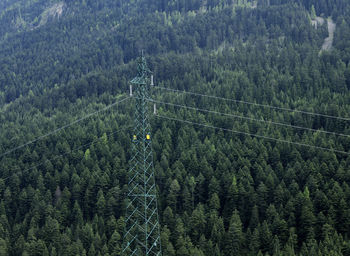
x,y
101,203
114,244
313,12
3,247
198,222
254,219
254,241
167,246
266,238
234,238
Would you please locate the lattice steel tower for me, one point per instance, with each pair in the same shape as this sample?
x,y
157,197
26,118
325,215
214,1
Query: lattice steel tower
x,y
142,234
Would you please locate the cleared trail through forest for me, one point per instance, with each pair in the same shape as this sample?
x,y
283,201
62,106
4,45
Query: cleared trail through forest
x,y
328,42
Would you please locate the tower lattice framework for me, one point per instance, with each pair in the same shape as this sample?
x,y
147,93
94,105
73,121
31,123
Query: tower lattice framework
x,y
142,234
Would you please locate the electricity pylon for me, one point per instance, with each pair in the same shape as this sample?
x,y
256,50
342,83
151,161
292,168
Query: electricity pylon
x,y
142,233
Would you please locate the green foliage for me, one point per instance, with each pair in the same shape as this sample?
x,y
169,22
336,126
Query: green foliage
x,y
219,193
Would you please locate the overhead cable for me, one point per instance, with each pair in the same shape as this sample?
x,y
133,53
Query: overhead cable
x,y
63,127
254,135
255,104
67,153
251,119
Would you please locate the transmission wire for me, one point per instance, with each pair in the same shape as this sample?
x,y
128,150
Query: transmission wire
x,y
250,118
63,127
253,135
66,153
254,104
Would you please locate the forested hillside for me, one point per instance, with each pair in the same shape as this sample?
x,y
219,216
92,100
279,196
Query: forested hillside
x,y
220,193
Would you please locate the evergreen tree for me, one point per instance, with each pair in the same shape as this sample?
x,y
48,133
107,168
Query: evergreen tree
x,y
235,237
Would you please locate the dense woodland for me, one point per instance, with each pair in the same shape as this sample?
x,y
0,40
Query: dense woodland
x,y
220,193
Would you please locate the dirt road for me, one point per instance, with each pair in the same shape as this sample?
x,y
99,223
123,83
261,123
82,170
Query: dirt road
x,y
328,42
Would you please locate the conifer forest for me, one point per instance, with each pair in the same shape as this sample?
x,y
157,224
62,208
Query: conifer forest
x,y
250,135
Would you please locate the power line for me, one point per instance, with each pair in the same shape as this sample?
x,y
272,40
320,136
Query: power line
x,y
63,127
66,153
253,135
255,104
251,119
